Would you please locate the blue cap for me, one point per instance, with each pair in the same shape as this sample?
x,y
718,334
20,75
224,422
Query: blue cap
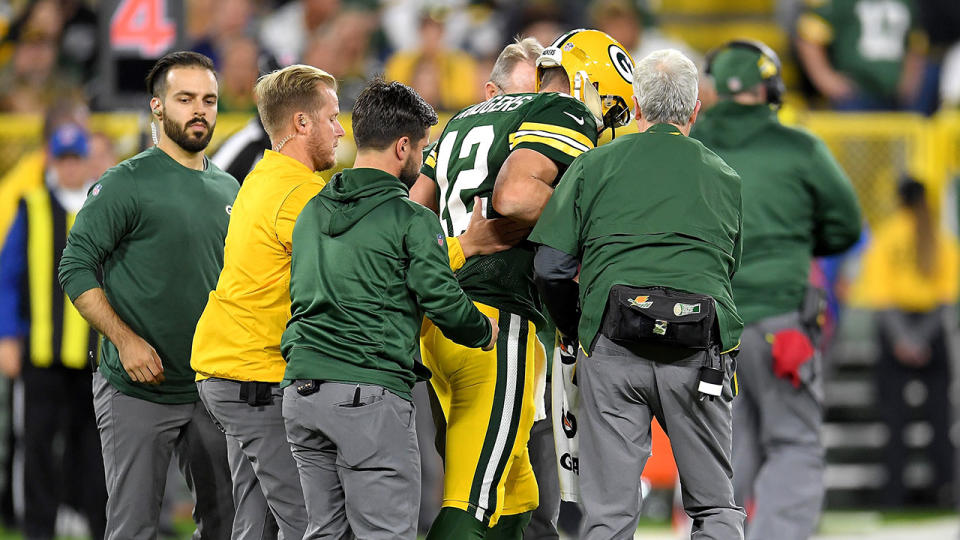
x,y
69,139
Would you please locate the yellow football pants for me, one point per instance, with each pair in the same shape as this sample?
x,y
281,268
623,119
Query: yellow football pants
x,y
487,400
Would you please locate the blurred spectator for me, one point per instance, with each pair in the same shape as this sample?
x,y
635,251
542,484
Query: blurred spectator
x,y
285,32
544,20
910,277
30,82
238,74
231,20
27,174
863,54
941,18
434,71
79,41
475,26
342,49
635,28
103,155
45,345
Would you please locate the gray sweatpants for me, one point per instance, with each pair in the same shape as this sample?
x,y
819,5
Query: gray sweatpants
x,y
621,391
359,465
543,458
138,438
260,461
778,459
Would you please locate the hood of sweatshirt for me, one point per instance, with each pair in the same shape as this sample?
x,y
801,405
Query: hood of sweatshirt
x,y
352,194
730,125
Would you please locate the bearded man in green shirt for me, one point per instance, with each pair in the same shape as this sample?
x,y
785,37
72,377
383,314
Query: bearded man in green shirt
x,y
654,218
797,204
154,226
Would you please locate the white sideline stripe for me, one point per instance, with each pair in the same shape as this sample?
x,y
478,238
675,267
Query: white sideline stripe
x,y
507,413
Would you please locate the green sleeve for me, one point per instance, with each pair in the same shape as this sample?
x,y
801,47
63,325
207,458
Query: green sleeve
x,y
559,224
738,242
837,218
108,214
430,278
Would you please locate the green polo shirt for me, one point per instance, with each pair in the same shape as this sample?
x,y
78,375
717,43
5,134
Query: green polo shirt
x,y
649,209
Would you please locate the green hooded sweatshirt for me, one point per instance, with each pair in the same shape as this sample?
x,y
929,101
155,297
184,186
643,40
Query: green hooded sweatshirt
x,y
367,264
797,204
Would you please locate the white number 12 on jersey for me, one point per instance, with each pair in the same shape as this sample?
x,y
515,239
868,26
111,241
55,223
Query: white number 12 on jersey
x,y
467,179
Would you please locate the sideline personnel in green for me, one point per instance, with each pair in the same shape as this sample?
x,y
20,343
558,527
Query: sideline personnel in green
x,y
367,264
154,225
654,217
797,204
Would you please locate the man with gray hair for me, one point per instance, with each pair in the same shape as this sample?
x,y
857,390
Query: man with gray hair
x,y
658,320
515,69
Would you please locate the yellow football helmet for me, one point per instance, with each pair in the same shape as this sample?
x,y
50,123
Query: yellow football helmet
x,y
600,72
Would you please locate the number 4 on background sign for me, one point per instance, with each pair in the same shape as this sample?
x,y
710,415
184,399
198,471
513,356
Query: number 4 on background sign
x,y
142,25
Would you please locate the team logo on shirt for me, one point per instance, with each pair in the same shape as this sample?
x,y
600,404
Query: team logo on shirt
x,y
228,208
641,302
96,190
440,240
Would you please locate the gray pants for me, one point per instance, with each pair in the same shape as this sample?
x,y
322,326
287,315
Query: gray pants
x,y
621,391
265,478
778,458
359,465
543,458
138,438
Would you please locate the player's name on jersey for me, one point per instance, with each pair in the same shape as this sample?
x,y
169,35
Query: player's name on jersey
x,y
503,103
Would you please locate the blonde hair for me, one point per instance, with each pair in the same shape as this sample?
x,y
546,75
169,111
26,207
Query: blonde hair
x,y
521,50
288,90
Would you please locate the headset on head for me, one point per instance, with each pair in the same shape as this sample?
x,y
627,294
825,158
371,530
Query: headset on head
x,y
773,83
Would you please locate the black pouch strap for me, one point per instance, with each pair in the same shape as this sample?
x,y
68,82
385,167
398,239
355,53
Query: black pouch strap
x,y
256,394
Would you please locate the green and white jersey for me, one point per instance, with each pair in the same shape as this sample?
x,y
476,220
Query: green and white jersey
x,y
465,162
867,39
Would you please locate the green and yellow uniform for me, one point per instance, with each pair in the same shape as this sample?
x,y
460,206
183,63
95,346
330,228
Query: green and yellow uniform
x,y
487,397
147,220
867,40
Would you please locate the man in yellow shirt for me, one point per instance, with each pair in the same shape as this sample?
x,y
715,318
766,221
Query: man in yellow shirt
x,y
236,347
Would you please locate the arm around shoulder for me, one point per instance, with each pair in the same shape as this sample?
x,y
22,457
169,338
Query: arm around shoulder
x,y
429,276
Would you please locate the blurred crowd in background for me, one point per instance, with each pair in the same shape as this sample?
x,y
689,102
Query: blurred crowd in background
x,y
891,427
843,54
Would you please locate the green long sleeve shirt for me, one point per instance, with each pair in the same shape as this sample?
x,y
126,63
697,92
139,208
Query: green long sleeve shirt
x,y
648,209
797,204
156,230
367,264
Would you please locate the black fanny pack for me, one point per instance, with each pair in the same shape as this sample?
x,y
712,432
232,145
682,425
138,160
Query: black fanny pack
x,y
659,315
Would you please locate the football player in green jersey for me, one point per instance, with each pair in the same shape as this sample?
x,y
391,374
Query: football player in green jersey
x,y
506,154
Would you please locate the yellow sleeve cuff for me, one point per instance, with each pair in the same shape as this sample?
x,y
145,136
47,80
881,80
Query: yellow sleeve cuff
x,y
455,251
814,29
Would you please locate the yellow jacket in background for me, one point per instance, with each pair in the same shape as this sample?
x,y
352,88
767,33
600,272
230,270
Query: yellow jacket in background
x,y
890,278
456,71
24,177
238,335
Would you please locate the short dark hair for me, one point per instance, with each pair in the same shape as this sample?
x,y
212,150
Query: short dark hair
x,y
385,112
157,78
